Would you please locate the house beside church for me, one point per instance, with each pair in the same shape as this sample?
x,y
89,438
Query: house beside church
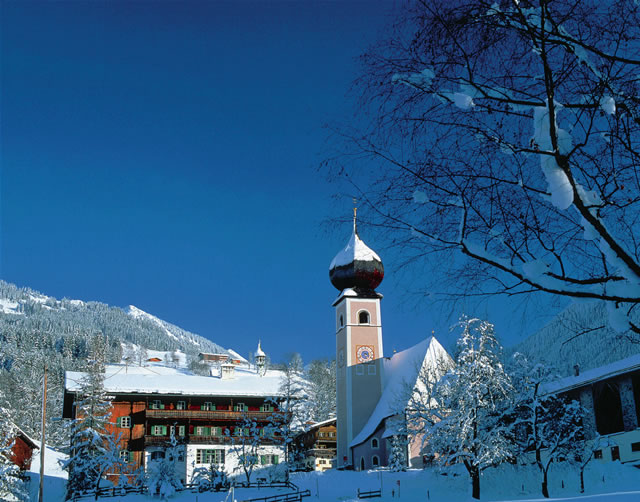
x,y
208,415
610,396
372,390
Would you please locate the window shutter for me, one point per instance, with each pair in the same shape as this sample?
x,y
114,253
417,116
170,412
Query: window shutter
x,y
263,459
131,459
118,422
274,459
164,430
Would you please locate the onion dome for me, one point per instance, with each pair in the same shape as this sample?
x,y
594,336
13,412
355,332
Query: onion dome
x,y
259,352
357,266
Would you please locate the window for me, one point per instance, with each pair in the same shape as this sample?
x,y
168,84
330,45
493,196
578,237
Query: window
x,y
360,369
374,443
181,430
158,430
341,320
266,407
124,422
209,456
202,431
615,453
363,317
597,454
156,405
375,462
268,459
240,407
157,455
126,456
180,456
181,405
207,406
216,431
371,369
635,446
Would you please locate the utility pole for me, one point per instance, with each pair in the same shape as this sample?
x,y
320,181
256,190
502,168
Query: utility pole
x,y
42,438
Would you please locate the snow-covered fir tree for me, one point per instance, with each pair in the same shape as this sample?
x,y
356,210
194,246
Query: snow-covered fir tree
x,y
91,449
163,478
547,425
294,411
470,401
12,487
321,403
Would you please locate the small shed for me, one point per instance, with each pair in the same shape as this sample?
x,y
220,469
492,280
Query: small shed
x,y
22,449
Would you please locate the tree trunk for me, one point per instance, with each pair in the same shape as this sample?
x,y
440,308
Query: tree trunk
x,y
475,483
545,485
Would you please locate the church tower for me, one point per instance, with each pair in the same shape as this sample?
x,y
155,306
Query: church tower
x,y
356,271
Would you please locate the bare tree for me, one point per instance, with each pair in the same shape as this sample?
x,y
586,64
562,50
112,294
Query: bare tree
x,y
508,132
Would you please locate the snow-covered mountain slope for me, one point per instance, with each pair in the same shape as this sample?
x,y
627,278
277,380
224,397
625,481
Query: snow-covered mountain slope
x,y
579,335
26,309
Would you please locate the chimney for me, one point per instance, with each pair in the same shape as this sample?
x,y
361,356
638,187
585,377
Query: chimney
x,y
227,371
576,370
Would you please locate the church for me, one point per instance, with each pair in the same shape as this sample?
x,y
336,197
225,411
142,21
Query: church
x,y
372,390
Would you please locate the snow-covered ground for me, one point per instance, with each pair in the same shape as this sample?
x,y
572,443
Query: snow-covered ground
x,y
604,482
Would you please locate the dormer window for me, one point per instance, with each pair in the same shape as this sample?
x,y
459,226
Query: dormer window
x,y
363,317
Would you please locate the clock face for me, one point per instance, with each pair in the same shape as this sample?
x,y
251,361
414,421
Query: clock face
x,y
364,353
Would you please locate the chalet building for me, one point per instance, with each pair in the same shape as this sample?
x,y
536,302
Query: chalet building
x,y
205,414
316,446
370,386
22,449
610,395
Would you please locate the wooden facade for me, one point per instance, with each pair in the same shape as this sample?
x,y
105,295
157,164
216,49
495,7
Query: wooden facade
x,y
316,447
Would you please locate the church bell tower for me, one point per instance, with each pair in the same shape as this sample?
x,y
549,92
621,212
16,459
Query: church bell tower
x,y
356,271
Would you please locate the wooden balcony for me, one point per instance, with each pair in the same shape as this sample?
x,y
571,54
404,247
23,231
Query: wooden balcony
x,y
216,415
164,440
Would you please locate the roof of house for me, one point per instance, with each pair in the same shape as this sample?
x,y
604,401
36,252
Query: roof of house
x,y
324,423
594,375
120,379
401,373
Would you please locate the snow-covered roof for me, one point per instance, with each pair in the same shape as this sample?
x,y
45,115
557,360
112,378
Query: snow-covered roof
x,y
320,424
236,356
354,250
120,379
259,352
594,375
401,373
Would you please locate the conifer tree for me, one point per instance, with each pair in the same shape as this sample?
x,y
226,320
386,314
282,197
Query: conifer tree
x,y
91,445
470,401
12,486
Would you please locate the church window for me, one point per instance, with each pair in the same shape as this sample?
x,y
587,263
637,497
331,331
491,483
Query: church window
x,y
363,317
635,446
374,443
362,463
341,320
597,454
375,462
360,369
371,369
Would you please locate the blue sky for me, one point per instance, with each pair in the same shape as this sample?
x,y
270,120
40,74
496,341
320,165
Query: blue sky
x,y
165,154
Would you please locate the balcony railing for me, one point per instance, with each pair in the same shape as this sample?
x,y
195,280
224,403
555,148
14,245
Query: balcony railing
x,y
161,440
261,416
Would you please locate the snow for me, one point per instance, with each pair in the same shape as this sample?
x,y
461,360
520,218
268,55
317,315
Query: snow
x,y
610,370
8,307
400,374
354,250
559,185
420,80
164,380
608,105
605,482
420,197
137,314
